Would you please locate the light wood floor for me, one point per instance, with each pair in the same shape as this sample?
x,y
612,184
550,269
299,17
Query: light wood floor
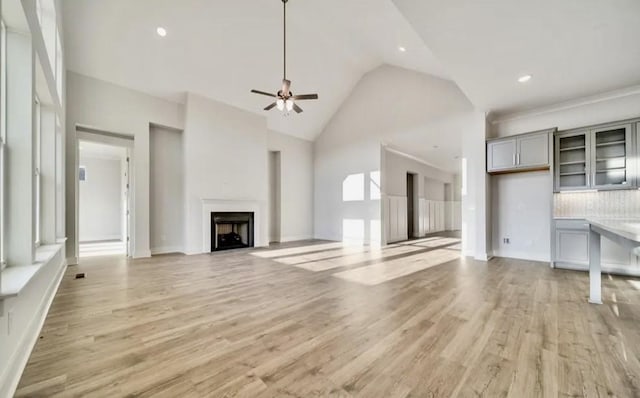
x,y
284,323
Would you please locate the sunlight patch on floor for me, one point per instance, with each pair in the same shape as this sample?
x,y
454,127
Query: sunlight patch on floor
x,y
376,274
298,250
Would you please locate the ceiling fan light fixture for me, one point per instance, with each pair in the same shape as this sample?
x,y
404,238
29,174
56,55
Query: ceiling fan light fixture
x,y
280,104
289,104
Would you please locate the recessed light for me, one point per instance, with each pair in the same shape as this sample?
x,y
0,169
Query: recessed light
x,y
525,78
402,49
162,32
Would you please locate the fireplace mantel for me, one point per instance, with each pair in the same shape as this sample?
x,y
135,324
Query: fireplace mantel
x,y
226,205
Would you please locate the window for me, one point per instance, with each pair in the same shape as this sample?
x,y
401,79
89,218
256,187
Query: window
x,y
37,181
3,137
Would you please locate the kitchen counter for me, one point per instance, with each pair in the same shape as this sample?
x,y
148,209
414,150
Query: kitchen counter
x,y
626,228
625,232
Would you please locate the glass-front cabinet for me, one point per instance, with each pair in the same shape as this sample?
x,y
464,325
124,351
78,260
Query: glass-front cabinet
x,y
612,149
595,158
572,161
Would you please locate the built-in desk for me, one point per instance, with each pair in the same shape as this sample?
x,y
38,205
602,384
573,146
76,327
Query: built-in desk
x,y
625,232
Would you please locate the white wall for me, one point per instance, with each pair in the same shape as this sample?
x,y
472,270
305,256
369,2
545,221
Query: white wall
x,y
434,189
521,211
100,199
296,185
167,190
225,152
108,107
349,147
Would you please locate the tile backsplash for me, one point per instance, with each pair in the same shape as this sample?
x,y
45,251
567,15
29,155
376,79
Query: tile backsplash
x,y
613,204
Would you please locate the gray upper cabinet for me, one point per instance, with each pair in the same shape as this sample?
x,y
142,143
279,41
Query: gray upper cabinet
x,y
595,158
533,150
501,155
519,153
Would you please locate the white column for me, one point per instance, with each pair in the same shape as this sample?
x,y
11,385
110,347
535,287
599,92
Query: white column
x,y
20,224
595,271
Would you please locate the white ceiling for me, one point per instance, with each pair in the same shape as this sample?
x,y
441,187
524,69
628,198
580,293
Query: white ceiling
x,y
223,49
573,48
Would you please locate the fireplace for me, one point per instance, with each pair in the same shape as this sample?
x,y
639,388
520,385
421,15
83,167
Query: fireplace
x,y
231,230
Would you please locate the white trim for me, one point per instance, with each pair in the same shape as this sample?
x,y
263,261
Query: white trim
x,y
412,157
295,238
522,256
166,250
142,254
575,103
11,377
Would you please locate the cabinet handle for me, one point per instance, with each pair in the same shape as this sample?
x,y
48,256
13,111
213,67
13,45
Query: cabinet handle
x,y
514,159
518,158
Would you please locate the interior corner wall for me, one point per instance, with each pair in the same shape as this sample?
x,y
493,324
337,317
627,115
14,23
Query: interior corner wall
x,y
167,190
108,107
225,152
296,185
100,204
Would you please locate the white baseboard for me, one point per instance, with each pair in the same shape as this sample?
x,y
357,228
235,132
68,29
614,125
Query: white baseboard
x,y
166,250
11,378
142,254
523,256
295,238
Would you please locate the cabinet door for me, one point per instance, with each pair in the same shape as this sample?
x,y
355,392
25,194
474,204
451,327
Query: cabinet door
x,y
615,255
572,246
501,155
533,150
611,157
572,167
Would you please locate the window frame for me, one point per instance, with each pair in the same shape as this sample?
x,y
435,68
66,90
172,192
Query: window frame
x,y
3,140
37,180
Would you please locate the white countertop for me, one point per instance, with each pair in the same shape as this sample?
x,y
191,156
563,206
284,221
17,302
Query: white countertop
x,y
626,228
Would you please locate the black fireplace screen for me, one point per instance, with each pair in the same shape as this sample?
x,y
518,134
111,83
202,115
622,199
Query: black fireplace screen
x,y
231,230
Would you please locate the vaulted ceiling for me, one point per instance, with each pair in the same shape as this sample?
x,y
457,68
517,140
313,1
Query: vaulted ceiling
x,y
572,48
223,49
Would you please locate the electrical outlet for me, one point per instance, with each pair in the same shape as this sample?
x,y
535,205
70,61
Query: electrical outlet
x,y
505,241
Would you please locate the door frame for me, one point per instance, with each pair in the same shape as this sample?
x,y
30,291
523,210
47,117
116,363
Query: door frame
x,y
87,134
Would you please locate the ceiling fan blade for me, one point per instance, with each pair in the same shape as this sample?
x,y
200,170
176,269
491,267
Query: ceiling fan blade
x,y
263,93
286,85
297,108
268,108
305,97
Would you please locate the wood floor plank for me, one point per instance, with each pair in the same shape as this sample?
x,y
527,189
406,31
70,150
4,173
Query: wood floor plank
x,y
411,320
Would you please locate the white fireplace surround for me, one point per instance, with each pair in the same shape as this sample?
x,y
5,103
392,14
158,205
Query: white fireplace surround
x,y
225,205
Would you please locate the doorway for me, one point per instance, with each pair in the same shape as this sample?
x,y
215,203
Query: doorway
x,y
104,184
410,205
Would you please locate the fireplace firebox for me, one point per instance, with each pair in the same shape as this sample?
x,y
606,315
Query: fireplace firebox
x,y
231,230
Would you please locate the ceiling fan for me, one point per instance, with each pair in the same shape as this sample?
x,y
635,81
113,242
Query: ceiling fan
x,y
285,99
